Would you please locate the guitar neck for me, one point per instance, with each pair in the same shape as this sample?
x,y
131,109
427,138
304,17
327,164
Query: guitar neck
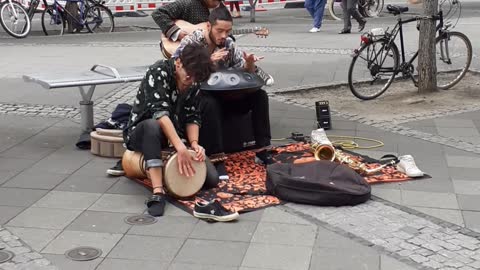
x,y
243,31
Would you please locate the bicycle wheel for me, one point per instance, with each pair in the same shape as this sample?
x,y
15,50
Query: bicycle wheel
x,y
370,8
53,22
453,58
372,69
14,19
335,9
98,19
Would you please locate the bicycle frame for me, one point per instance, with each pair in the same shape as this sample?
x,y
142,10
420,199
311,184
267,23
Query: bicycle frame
x,y
398,29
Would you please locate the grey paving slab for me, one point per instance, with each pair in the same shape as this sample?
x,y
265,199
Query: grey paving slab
x,y
429,185
120,264
128,187
20,196
458,131
61,163
279,215
27,152
103,222
6,175
83,183
429,199
172,210
453,122
286,234
66,264
472,220
71,239
96,166
119,203
469,202
169,226
328,239
28,179
188,266
389,263
277,256
466,187
223,253
36,238
463,161
67,200
44,218
464,173
392,195
344,259
243,230
136,247
450,215
15,164
9,212
457,152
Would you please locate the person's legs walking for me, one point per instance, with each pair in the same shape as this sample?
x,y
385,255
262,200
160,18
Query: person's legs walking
x,y
357,16
310,7
318,13
347,24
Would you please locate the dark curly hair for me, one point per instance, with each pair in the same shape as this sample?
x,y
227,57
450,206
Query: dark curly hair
x,y
220,13
196,61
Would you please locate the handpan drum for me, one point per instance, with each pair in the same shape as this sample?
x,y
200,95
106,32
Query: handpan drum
x,y
177,185
232,83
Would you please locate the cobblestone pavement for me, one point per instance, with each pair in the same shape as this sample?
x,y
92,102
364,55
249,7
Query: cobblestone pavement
x,y
402,233
25,258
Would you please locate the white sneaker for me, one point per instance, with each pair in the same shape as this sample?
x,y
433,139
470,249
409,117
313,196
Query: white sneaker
x,y
407,165
314,30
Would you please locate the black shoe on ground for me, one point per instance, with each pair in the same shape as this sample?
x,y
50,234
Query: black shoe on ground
x,y
345,31
156,204
116,170
361,26
213,210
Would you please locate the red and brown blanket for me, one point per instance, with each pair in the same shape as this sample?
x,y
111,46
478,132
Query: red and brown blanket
x,y
245,190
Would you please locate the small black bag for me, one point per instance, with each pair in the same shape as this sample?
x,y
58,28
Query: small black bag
x,y
321,183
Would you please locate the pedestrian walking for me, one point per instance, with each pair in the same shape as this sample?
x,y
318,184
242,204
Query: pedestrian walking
x,y
316,9
236,5
350,9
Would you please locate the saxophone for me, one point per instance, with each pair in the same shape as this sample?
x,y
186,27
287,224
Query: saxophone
x,y
323,149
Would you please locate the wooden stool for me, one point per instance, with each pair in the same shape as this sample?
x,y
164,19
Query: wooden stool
x,y
107,143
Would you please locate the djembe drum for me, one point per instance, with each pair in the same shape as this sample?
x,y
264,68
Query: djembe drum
x,y
177,185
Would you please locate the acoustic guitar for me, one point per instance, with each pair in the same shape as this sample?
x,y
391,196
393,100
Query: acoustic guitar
x,y
169,47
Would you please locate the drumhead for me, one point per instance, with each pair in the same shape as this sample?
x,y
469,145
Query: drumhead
x,y
180,185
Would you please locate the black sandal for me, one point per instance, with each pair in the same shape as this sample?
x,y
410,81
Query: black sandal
x,y
156,204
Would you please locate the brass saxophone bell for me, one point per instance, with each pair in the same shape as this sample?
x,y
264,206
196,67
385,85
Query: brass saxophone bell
x,y
323,152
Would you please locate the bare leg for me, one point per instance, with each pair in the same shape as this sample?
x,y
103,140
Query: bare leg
x,y
155,175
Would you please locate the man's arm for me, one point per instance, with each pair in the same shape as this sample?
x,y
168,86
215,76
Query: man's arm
x,y
165,17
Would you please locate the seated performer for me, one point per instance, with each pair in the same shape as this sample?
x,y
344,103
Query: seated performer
x,y
225,54
165,109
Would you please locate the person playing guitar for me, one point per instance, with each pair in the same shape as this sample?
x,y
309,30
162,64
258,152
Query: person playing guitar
x,y
225,54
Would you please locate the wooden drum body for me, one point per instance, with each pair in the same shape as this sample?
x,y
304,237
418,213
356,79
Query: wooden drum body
x,y
177,185
107,143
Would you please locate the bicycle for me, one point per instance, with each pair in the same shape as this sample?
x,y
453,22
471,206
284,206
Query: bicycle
x,y
14,19
92,15
368,8
382,57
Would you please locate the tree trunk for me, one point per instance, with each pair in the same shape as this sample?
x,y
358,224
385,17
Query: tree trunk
x,y
427,67
253,6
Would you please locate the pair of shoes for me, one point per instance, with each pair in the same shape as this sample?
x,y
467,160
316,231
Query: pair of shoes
x,y
345,31
267,78
213,210
156,204
116,170
314,30
264,157
361,26
407,165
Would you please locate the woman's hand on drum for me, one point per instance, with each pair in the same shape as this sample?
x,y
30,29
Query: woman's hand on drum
x,y
185,159
200,156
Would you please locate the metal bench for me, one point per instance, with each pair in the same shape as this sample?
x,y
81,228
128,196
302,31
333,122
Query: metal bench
x,y
97,75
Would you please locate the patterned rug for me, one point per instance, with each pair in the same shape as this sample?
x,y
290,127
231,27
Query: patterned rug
x,y
245,190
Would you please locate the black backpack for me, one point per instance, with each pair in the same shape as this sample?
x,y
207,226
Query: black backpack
x,y
321,183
